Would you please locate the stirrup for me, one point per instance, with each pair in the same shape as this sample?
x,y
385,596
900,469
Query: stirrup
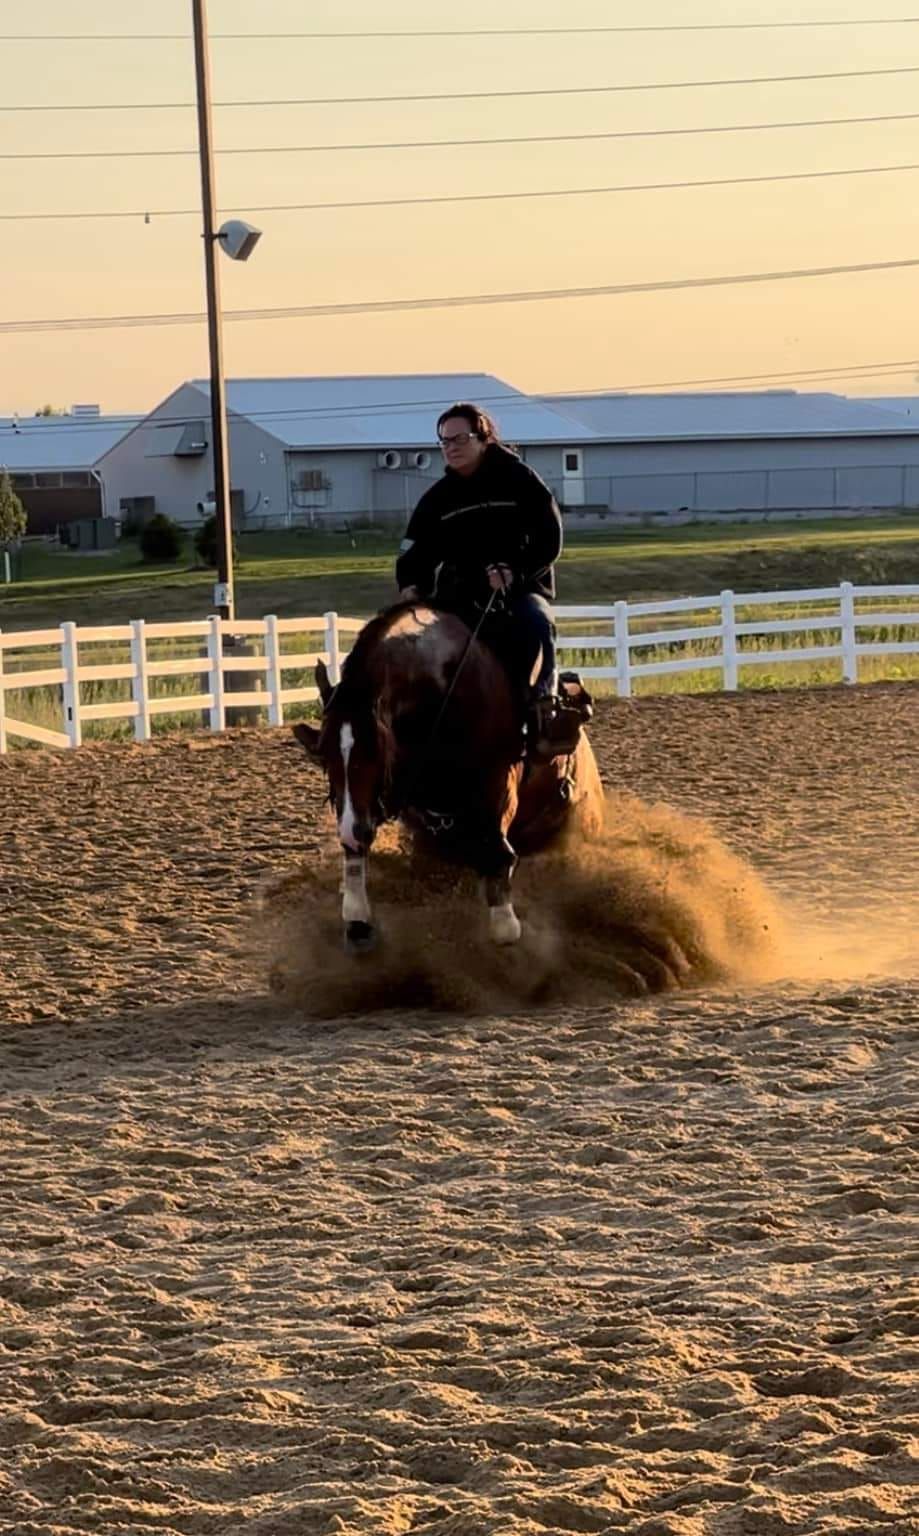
x,y
553,729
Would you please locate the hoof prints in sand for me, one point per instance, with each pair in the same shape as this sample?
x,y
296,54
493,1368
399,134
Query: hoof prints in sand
x,y
646,1269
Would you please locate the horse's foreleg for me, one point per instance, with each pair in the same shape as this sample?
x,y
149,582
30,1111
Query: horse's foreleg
x,y
497,862
360,934
503,922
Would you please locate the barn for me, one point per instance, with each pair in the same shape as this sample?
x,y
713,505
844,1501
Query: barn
x,y
336,451
319,451
52,464
766,453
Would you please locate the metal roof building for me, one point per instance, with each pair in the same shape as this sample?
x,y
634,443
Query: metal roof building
x,y
311,449
52,463
772,452
341,449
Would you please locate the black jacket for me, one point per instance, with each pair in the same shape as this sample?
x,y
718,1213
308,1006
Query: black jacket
x,y
503,514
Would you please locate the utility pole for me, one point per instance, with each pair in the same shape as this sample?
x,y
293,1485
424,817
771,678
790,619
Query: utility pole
x,y
223,591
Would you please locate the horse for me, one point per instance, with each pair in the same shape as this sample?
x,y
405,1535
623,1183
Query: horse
x,y
424,728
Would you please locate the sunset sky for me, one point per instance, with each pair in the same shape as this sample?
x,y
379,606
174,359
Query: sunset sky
x,y
124,266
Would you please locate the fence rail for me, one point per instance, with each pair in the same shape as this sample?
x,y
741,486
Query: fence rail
x,y
619,630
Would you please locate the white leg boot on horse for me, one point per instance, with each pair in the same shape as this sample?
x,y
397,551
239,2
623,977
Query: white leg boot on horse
x,y
360,934
503,922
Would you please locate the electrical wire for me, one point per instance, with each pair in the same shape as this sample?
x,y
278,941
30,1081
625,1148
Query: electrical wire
x,y
470,197
539,138
452,301
568,90
710,26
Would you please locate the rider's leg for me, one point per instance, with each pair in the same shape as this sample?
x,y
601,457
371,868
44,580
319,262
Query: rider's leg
x,y
535,632
554,713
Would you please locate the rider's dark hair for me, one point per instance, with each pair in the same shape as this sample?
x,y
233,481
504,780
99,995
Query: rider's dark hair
x,y
480,423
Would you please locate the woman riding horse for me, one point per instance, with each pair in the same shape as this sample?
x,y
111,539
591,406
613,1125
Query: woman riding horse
x,y
424,726
482,543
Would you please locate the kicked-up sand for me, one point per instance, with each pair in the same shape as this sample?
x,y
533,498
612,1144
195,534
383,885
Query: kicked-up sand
x,y
614,1233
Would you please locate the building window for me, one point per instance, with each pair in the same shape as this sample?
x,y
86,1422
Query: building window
x,y
74,478
572,462
22,482
48,481
311,480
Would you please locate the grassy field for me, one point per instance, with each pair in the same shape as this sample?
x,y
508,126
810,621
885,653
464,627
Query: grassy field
x,y
308,572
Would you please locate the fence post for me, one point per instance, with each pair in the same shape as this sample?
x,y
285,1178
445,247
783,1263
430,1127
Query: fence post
x,y
847,615
140,686
623,654
729,641
2,703
332,649
218,711
273,652
70,661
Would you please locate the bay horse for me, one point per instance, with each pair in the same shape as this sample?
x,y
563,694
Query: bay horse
x,y
423,728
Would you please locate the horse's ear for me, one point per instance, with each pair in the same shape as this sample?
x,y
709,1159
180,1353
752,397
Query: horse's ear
x,y
308,737
322,683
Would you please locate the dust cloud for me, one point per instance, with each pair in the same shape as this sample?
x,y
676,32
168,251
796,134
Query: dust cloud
x,y
655,903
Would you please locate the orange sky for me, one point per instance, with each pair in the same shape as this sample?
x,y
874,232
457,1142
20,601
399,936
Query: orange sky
x,y
121,267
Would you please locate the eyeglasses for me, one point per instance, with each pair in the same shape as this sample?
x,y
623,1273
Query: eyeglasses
x,y
456,439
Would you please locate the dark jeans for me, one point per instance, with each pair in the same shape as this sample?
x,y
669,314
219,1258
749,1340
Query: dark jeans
x,y
522,634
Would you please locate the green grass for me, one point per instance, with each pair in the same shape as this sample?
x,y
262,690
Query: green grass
x,y
310,572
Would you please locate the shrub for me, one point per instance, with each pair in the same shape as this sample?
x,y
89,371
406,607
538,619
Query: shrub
x,y
161,540
206,542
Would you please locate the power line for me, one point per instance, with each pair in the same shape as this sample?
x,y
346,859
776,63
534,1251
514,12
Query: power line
x,y
539,138
816,375
712,26
864,371
452,301
470,197
573,90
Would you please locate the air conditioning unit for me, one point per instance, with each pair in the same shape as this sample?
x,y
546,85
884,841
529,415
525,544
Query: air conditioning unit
x,y
389,460
421,459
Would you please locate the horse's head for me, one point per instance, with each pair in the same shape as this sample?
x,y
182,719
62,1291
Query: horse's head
x,y
355,747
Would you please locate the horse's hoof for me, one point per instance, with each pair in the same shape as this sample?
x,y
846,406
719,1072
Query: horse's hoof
x,y
504,925
360,938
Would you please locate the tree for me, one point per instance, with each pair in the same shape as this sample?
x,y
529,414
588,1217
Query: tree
x,y
50,410
13,518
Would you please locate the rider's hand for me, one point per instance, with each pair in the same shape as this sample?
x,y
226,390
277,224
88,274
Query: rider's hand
x,y
500,577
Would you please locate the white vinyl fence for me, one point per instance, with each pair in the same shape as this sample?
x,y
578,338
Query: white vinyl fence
x,y
722,634
219,659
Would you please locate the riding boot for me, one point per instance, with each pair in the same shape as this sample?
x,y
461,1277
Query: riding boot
x,y
554,720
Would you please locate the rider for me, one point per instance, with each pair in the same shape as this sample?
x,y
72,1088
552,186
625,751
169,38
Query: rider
x,y
490,532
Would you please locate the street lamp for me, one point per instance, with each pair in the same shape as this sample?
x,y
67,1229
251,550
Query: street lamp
x,y
238,240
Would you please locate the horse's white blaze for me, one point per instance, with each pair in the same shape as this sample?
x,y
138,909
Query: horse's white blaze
x,y
504,924
355,907
346,819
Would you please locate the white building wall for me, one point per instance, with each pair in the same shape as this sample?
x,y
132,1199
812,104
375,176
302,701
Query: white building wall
x,y
789,474
257,464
